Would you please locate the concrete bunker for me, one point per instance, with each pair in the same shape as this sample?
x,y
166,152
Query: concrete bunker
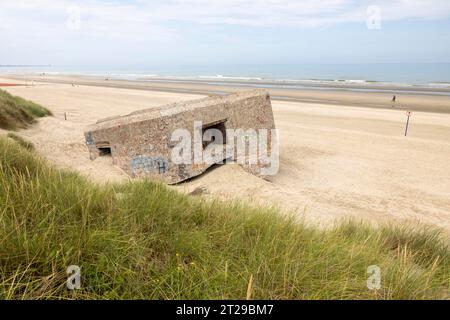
x,y
143,143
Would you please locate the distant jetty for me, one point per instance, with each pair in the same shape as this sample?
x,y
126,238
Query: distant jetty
x,y
25,65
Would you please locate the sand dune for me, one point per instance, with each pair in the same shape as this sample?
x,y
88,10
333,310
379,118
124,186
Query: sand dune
x,y
336,161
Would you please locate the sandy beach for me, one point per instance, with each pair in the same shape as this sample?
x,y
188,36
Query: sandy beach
x,y
343,154
418,98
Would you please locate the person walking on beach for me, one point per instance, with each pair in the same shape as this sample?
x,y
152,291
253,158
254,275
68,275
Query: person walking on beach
x,y
394,99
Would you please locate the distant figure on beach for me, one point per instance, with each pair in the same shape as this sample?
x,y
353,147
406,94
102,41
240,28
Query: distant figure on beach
x,y
394,98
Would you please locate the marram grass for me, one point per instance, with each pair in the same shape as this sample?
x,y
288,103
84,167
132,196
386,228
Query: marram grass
x,y
141,240
21,141
17,113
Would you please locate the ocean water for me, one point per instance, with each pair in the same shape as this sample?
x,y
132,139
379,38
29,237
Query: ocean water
x,y
434,74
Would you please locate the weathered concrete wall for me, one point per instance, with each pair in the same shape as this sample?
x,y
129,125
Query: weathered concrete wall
x,y
141,145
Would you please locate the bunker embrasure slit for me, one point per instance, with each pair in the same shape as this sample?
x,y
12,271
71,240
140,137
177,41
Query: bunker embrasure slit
x,y
104,149
215,132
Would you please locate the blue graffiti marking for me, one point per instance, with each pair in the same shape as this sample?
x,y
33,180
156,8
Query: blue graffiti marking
x,y
149,164
89,139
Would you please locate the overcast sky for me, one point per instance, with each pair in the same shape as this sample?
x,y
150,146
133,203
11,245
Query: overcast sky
x,y
147,32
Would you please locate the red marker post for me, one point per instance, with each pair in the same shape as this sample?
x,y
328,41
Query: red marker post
x,y
408,114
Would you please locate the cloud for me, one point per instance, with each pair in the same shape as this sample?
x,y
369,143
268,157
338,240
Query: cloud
x,y
164,27
54,18
292,13
152,16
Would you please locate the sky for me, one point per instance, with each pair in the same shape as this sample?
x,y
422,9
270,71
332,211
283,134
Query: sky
x,y
191,32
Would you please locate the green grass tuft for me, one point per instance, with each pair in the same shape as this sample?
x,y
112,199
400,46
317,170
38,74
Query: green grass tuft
x,y
18,113
141,240
21,141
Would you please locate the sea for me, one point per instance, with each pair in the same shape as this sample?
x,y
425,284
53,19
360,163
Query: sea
x,y
409,74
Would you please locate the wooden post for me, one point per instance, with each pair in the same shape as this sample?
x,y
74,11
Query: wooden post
x,y
408,114
65,116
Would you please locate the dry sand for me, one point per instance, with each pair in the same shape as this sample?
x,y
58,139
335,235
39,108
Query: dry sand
x,y
336,161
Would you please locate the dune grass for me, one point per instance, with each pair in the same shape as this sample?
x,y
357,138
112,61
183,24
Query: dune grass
x,y
21,141
141,240
17,113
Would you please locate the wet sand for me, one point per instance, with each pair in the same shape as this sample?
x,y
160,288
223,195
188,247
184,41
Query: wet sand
x,y
369,95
